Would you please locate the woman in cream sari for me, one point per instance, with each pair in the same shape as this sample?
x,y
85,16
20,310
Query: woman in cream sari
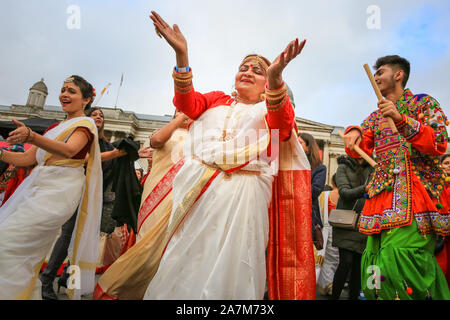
x,y
128,277
31,219
227,208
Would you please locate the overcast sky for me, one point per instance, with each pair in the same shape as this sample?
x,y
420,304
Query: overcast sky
x,y
327,79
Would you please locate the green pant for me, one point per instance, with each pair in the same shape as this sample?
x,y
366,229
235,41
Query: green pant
x,y
403,258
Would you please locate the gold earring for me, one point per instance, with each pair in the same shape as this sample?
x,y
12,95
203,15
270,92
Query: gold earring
x,y
234,94
262,97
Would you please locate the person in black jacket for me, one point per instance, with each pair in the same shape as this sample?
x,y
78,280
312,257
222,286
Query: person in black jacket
x,y
351,180
318,177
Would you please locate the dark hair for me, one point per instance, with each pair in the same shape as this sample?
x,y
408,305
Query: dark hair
x,y
88,113
313,152
444,156
396,61
87,90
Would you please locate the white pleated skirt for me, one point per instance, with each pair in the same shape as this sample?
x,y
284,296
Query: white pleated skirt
x,y
30,221
219,251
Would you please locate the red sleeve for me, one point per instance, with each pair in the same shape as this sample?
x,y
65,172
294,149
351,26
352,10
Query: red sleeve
x,y
282,119
51,127
366,144
421,136
191,102
194,103
87,147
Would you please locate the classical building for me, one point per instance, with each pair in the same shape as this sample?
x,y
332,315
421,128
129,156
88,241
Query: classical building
x,y
120,123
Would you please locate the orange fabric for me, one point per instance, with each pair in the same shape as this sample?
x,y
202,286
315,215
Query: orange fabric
x,y
100,295
290,256
421,202
131,241
331,206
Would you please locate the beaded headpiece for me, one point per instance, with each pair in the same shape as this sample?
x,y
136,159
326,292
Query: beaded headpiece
x,y
257,59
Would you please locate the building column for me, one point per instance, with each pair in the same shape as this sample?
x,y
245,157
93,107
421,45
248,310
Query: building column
x,y
326,159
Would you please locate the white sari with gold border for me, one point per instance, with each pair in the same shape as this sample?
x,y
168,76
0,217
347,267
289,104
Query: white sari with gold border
x,y
31,219
218,250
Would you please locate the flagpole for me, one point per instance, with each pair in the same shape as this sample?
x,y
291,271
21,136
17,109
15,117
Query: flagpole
x,y
118,91
97,101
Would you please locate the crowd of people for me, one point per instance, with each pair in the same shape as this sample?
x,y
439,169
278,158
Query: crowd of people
x,y
234,204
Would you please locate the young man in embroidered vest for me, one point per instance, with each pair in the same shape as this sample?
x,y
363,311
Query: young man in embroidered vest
x,y
406,202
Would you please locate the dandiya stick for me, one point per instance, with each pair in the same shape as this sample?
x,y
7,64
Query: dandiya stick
x,y
379,96
364,155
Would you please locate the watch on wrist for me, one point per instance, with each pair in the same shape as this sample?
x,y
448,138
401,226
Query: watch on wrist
x,y
182,70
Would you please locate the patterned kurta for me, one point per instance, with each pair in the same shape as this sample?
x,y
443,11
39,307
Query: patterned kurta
x,y
409,180
407,204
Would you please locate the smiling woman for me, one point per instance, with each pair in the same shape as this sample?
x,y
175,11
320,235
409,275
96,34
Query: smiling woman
x,y
48,197
224,191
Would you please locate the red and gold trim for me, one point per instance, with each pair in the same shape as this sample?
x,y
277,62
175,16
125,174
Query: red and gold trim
x,y
159,193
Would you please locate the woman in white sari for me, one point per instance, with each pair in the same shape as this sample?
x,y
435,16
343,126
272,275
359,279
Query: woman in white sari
x,y
219,226
31,219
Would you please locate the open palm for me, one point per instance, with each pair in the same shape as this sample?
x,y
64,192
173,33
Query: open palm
x,y
172,35
292,50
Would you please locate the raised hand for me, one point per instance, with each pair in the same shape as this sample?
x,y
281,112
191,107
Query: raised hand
x,y
173,36
275,70
19,135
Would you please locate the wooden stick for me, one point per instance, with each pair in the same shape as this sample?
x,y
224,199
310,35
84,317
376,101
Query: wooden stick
x,y
379,96
364,155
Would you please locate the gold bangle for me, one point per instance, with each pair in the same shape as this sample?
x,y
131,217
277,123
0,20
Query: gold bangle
x,y
274,96
183,90
182,75
182,80
277,106
276,92
183,85
275,100
279,96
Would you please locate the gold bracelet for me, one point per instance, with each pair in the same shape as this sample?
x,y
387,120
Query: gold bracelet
x,y
278,95
277,106
276,98
275,101
276,92
177,75
183,90
183,81
183,85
